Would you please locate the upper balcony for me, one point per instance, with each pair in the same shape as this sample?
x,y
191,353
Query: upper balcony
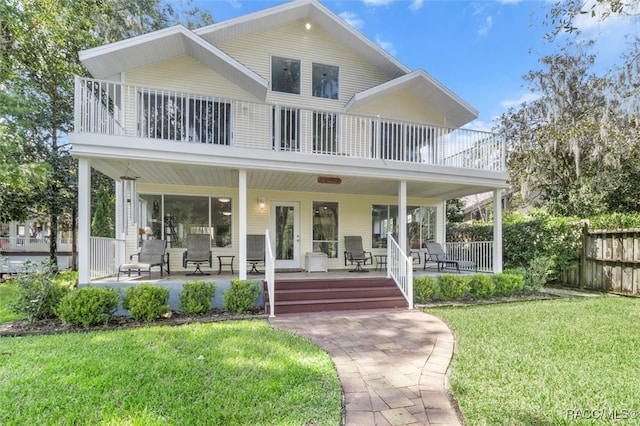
x,y
115,109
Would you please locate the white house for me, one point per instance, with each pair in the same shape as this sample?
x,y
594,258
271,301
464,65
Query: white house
x,y
287,120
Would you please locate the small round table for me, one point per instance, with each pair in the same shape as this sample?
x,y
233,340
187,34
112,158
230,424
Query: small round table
x,y
228,261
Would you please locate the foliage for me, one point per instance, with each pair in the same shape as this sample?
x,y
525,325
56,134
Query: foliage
x,y
452,287
196,297
615,221
67,278
454,210
88,306
8,293
240,297
146,301
507,284
481,286
38,293
424,288
102,222
527,237
535,275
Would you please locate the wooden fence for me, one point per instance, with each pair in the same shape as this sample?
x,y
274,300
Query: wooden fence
x,y
609,260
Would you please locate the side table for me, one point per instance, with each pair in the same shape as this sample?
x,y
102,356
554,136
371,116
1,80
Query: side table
x,y
228,261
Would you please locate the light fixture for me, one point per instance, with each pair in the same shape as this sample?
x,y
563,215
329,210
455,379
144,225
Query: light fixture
x,y
224,199
261,203
307,26
226,213
129,196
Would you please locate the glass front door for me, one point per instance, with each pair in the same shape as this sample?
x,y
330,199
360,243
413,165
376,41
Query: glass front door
x,y
285,228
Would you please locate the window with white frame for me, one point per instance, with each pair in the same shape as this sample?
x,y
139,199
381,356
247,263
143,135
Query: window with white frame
x,y
285,75
325,228
421,224
324,80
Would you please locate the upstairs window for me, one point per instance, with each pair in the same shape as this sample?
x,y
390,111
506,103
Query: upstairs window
x,y
324,81
285,75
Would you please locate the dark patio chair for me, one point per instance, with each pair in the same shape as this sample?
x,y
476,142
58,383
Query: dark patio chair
x,y
435,253
198,252
255,252
353,252
152,253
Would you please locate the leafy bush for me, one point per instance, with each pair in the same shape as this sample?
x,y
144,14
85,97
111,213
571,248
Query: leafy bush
x,y
195,297
67,278
88,306
146,301
481,286
535,275
241,296
507,284
453,287
38,293
424,288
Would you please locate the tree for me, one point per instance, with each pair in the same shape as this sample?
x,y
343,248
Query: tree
x,y
455,209
102,222
40,41
569,147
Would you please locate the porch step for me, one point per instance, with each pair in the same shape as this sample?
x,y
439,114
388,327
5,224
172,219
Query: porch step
x,y
316,295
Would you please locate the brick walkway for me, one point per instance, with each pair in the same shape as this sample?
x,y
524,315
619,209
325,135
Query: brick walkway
x,y
392,363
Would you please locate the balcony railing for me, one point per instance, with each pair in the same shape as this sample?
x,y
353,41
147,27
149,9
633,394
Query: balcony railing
x,y
116,109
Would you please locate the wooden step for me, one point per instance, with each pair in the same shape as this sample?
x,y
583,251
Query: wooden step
x,y
316,295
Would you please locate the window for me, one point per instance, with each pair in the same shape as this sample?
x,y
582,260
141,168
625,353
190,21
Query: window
x,y
173,217
325,228
184,118
325,134
285,75
421,224
324,81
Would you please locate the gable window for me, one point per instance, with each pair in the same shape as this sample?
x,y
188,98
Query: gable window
x,y
421,224
325,228
174,217
177,117
285,75
324,80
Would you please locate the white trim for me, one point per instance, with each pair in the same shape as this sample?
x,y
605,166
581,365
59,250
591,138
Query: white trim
x,y
242,223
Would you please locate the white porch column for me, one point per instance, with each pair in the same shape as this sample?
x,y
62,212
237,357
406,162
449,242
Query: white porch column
x,y
497,231
441,223
242,223
402,213
84,220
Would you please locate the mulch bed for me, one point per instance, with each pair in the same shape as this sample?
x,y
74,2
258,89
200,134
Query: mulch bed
x,y
172,318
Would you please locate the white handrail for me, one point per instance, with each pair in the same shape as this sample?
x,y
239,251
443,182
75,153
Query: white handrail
x,y
117,109
400,268
106,255
269,273
478,252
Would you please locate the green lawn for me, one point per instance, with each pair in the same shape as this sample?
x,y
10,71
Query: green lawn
x,y
225,373
569,361
8,293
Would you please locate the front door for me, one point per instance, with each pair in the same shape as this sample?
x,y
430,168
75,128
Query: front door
x,y
285,228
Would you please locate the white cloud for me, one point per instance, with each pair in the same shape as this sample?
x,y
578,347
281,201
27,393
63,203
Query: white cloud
x,y
524,98
352,19
478,125
375,3
235,3
416,5
386,45
484,28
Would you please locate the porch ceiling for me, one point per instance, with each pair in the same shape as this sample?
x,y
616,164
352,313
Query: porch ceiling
x,y
199,175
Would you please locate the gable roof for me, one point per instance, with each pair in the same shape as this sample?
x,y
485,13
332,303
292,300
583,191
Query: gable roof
x,y
425,87
317,14
111,59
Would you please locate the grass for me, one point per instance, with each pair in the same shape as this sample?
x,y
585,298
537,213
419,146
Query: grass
x,y
569,361
234,372
8,292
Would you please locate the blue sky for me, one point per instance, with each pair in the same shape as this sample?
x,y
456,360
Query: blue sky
x,y
478,49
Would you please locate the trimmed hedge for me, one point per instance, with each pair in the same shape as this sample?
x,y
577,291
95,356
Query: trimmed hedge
x,y
146,301
460,287
196,297
88,306
240,297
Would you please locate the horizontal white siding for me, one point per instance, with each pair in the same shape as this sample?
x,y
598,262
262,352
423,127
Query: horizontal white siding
x,y
294,42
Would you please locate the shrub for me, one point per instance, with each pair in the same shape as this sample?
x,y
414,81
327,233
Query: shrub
x,y
38,293
453,287
481,286
424,288
535,275
507,284
195,297
241,296
88,306
67,278
146,301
